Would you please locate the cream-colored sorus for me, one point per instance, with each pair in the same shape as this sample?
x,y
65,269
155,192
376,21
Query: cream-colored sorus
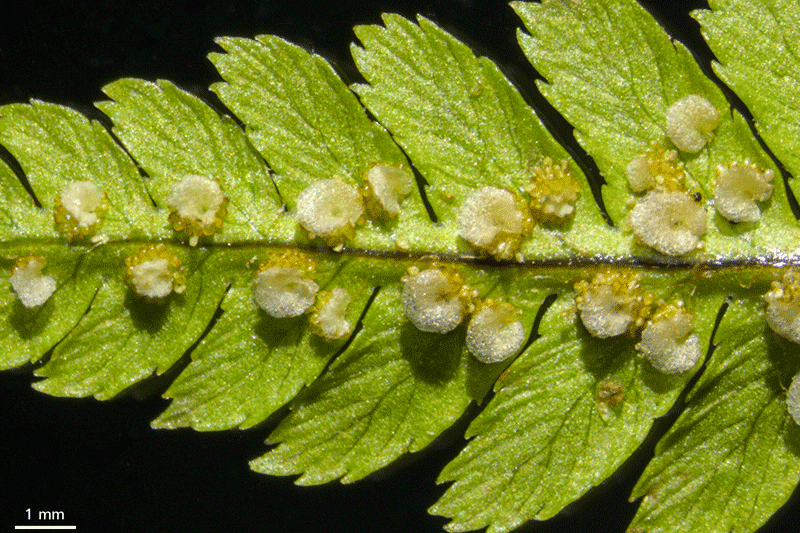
x,y
739,187
492,220
640,178
30,285
783,306
669,222
328,315
385,188
612,304
283,286
690,122
655,168
668,341
330,209
154,273
436,299
495,332
793,399
79,209
198,207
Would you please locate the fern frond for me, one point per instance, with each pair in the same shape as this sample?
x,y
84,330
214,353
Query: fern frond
x,y
358,268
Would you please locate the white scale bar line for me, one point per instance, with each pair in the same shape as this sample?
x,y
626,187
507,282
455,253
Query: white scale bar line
x,y
45,527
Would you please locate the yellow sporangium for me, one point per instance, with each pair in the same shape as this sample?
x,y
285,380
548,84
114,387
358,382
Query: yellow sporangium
x,y
783,306
495,331
384,188
739,187
656,168
690,122
330,209
553,191
668,341
328,315
669,222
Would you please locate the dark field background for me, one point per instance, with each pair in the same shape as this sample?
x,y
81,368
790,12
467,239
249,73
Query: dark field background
x,y
100,463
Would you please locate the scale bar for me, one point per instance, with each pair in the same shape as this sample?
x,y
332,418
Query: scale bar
x,y
45,527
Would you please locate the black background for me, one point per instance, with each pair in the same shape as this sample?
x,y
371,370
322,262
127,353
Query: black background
x,y
100,463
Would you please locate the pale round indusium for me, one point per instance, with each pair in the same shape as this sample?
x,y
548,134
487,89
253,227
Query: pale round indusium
x,y
793,399
612,304
198,207
737,189
329,209
283,286
783,306
435,300
30,285
670,222
328,315
493,220
154,273
385,186
668,342
553,191
655,168
79,209
495,332
690,122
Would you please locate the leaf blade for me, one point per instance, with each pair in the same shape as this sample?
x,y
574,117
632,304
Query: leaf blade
x,y
618,102
548,416
730,460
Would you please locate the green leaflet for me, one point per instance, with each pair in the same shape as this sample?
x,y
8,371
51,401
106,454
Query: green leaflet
x,y
617,103
489,137
309,126
558,417
29,333
732,436
251,364
756,44
532,429
172,134
55,145
151,336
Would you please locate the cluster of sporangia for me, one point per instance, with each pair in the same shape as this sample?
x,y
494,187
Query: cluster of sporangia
x,y
666,218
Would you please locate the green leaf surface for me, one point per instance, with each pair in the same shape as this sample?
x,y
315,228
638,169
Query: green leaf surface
x,y
548,415
613,72
757,48
252,364
393,391
18,214
172,134
730,460
465,126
